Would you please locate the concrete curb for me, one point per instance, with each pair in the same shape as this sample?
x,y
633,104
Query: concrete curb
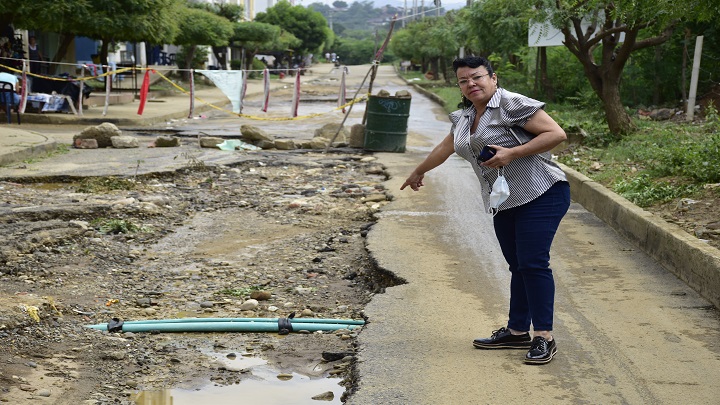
x,y
59,119
31,151
688,258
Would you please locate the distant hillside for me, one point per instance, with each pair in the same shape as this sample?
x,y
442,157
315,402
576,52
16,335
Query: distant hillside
x,y
365,15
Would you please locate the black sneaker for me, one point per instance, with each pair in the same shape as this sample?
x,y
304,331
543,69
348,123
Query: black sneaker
x,y
503,339
541,351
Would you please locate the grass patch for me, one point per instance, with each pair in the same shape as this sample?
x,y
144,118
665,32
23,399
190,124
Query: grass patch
x,y
240,292
105,184
659,162
643,191
61,149
109,226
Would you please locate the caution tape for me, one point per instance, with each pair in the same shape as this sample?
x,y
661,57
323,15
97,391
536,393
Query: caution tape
x,y
67,79
252,117
258,118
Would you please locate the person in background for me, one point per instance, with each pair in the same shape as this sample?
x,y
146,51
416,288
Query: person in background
x,y
5,50
507,137
34,55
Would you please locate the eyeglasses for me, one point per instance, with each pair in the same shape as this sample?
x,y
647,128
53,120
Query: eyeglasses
x,y
476,79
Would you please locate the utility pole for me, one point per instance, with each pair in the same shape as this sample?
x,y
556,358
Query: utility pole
x,y
690,114
404,12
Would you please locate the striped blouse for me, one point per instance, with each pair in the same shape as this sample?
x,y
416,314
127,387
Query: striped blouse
x,y
528,177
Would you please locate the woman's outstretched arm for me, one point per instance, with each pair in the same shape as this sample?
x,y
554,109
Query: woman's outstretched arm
x,y
438,155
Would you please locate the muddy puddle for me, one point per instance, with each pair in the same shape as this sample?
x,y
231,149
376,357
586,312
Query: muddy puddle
x,y
262,384
265,386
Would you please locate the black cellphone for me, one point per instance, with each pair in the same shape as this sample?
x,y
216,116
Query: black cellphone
x,y
486,154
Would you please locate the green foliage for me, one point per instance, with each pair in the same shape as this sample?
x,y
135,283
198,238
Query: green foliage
x,y
61,149
450,96
643,191
566,76
354,51
509,76
257,67
253,34
309,26
202,27
690,156
660,162
231,12
154,21
93,185
240,292
496,26
200,55
712,118
432,39
116,226
256,36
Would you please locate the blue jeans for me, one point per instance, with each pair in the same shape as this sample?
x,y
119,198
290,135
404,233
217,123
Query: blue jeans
x,y
15,99
525,234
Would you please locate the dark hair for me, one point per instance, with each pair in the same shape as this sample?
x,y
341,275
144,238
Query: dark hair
x,y
471,62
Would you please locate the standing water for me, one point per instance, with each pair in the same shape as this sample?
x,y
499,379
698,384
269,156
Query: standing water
x,y
265,385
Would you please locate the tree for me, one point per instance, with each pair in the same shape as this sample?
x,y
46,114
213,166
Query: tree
x,y
497,26
231,12
58,16
340,4
254,36
613,31
153,21
354,51
307,25
200,27
430,40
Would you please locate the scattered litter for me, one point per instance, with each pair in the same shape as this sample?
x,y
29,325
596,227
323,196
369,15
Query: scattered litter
x,y
232,144
32,311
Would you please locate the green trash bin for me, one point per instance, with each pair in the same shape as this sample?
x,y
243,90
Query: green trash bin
x,y
386,126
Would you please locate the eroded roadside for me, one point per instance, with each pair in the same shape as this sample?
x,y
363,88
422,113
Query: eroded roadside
x,y
285,230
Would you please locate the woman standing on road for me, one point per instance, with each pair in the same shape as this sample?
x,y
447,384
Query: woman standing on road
x,y
507,138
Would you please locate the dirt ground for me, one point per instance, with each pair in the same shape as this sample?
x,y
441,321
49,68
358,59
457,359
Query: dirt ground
x,y
287,230
698,216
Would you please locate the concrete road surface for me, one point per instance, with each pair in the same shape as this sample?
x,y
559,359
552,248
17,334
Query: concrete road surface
x,y
628,331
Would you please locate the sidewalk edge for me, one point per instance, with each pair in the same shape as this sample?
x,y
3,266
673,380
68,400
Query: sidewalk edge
x,y
119,121
28,152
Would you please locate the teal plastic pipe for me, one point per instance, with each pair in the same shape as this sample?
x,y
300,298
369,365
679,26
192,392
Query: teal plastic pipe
x,y
224,327
275,320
